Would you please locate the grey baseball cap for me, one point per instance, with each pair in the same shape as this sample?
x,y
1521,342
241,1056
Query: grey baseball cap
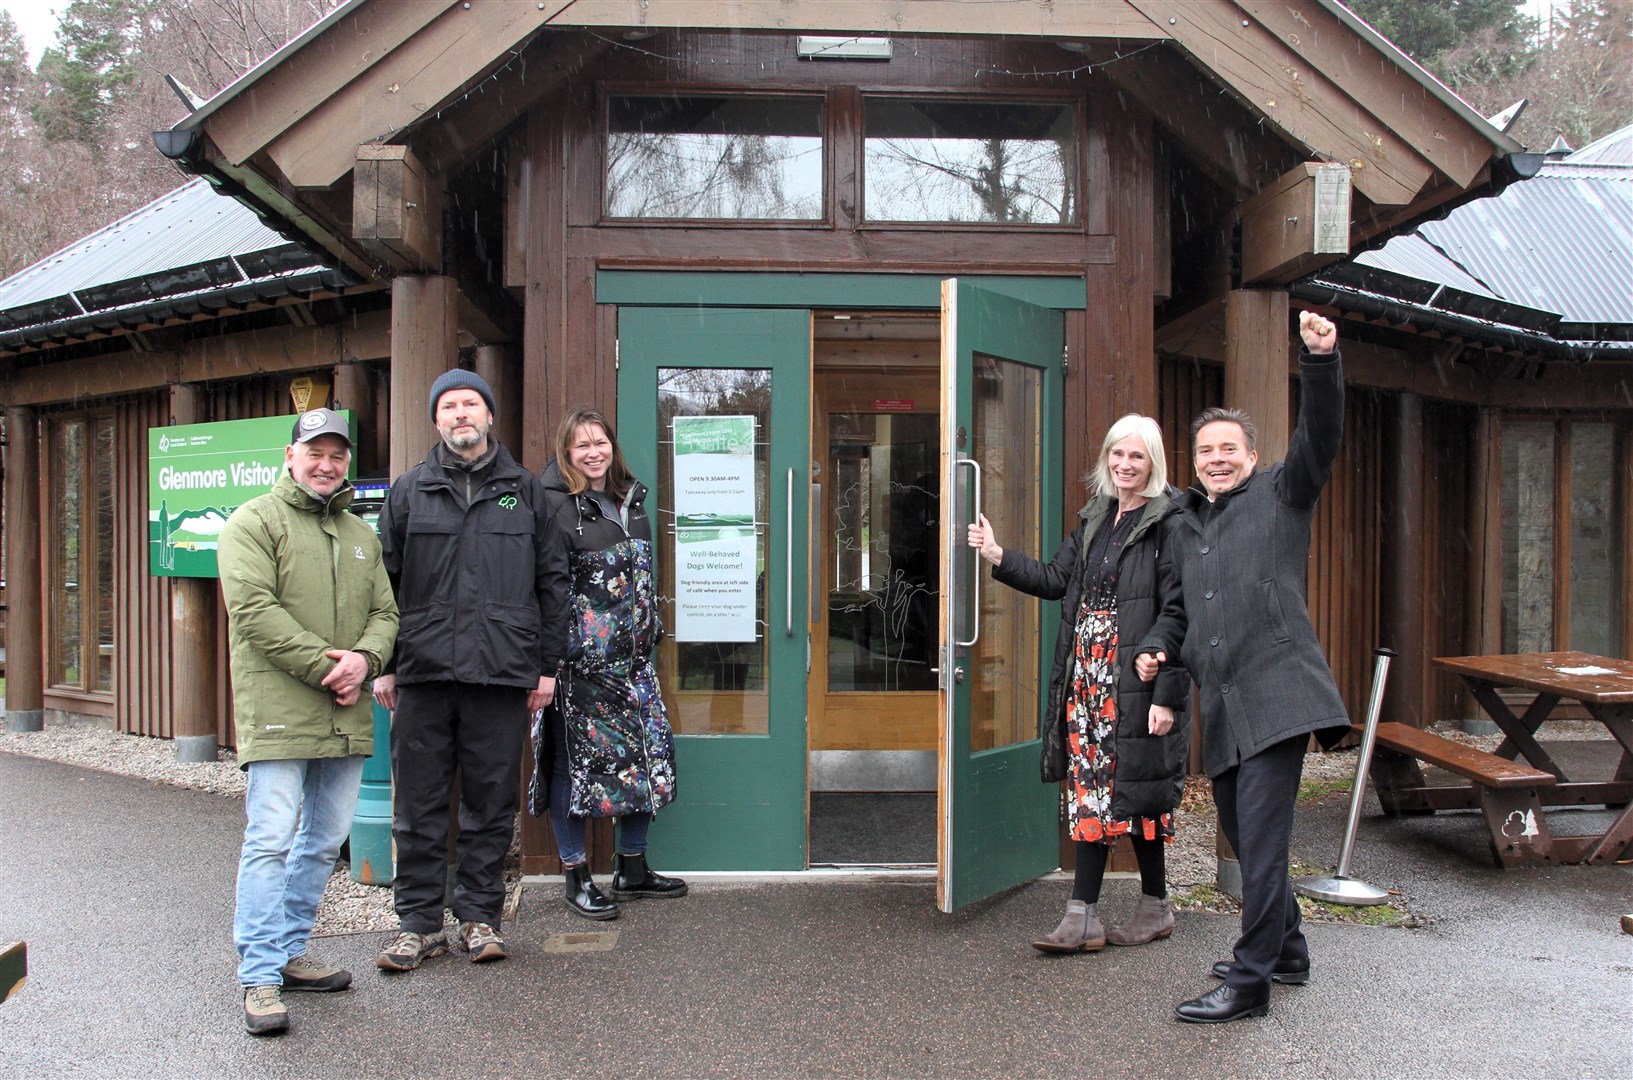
x,y
309,425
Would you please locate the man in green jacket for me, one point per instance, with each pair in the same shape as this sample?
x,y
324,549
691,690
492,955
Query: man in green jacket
x,y
311,618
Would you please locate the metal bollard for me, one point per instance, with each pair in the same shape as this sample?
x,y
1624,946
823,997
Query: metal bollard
x,y
1340,888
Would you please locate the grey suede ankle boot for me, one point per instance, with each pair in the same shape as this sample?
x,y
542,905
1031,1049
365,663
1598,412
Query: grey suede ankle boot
x,y
1153,918
1079,931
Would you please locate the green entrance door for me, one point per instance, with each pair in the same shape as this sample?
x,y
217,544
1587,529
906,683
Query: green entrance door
x,y
701,393
1001,456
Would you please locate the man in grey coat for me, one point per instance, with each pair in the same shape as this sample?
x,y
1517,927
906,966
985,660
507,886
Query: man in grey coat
x,y
1249,644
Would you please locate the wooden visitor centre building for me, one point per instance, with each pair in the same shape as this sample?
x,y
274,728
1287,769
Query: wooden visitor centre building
x,y
908,255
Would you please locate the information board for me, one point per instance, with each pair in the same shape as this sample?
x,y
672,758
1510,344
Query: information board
x,y
197,475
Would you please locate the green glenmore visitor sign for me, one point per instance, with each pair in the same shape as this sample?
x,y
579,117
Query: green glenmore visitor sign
x,y
197,475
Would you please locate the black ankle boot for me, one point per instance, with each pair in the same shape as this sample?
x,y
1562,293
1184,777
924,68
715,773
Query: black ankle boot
x,y
584,897
632,879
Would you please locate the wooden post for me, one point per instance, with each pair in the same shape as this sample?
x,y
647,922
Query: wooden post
x,y
496,364
1402,587
1256,381
25,635
192,661
1256,366
353,390
424,344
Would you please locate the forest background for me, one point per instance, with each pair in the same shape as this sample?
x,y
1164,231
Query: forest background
x,y
76,149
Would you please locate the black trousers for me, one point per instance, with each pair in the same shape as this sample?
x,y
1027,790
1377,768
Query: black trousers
x,y
1255,802
436,727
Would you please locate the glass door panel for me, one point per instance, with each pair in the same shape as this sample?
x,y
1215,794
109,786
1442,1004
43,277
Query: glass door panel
x,y
1000,455
714,409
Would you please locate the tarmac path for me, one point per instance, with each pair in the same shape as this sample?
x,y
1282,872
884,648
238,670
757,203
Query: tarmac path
x,y
123,891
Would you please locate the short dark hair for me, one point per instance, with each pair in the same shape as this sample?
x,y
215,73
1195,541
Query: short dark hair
x,y
1234,416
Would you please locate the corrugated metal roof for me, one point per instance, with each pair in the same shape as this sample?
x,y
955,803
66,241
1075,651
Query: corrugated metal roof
x,y
192,225
1561,241
1552,255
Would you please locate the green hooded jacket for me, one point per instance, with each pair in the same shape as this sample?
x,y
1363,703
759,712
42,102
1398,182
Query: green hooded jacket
x,y
301,577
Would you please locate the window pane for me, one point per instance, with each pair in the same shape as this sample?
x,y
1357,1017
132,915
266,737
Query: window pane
x,y
67,469
103,472
1008,414
1528,537
882,594
1596,591
715,157
713,687
932,160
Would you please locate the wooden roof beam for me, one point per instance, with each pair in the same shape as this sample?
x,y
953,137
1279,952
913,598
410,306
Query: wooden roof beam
x,y
423,74
1284,86
1219,136
248,122
1019,18
1296,225
1403,104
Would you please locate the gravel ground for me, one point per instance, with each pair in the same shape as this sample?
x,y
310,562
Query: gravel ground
x,y
349,907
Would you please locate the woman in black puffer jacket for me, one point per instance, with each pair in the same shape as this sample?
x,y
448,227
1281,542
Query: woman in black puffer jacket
x,y
1118,742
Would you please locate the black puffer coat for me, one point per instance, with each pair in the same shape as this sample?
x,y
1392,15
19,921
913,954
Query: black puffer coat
x,y
471,575
1150,770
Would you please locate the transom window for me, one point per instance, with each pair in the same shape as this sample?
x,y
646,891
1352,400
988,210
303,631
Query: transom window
x,y
714,157
932,159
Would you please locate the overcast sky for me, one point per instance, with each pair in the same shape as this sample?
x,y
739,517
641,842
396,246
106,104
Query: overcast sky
x,y
37,19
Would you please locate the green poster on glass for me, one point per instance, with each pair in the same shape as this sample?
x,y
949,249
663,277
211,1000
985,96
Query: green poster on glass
x,y
197,475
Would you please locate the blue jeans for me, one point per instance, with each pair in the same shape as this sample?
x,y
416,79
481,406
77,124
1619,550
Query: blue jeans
x,y
298,812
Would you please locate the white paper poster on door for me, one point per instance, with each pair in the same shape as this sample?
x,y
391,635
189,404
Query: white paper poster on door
x,y
716,542
714,584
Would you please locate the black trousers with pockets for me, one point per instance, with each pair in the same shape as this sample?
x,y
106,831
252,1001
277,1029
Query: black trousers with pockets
x,y
481,730
1255,801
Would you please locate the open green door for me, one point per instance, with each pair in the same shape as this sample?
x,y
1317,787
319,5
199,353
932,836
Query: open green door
x,y
714,414
1000,455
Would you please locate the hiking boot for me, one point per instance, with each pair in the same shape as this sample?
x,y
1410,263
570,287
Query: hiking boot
x,y
482,942
583,896
405,951
1079,931
1153,918
307,972
632,879
264,1012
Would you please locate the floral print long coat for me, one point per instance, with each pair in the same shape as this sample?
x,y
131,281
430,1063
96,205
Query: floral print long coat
x,y
620,749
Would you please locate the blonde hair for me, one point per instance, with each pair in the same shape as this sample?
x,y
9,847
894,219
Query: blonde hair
x,y
619,478
1150,435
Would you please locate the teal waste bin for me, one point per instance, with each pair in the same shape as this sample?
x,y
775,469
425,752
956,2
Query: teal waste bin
x,y
373,859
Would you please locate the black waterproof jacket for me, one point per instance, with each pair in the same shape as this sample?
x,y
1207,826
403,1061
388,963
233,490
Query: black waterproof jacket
x,y
1248,640
1150,770
474,583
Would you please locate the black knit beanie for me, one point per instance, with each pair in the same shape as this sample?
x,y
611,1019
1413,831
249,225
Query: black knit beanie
x,y
459,379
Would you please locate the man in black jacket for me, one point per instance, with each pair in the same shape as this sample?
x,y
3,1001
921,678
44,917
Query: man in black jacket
x,y
463,538
1250,647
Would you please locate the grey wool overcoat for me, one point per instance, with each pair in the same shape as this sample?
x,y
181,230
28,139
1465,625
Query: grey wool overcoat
x,y
1248,641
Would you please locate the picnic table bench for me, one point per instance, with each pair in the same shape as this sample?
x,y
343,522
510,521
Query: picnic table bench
x,y
1514,795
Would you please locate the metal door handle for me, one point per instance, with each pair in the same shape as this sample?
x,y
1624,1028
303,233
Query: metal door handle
x,y
814,528
789,552
975,508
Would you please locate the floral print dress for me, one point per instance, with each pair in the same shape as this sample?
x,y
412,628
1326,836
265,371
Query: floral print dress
x,y
1091,697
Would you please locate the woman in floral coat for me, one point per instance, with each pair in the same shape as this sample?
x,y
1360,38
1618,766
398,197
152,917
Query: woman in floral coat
x,y
605,745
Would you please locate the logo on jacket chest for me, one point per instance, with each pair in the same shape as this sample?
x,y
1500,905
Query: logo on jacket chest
x,y
507,502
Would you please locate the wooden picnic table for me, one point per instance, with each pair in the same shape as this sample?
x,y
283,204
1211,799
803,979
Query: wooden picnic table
x,y
1515,813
